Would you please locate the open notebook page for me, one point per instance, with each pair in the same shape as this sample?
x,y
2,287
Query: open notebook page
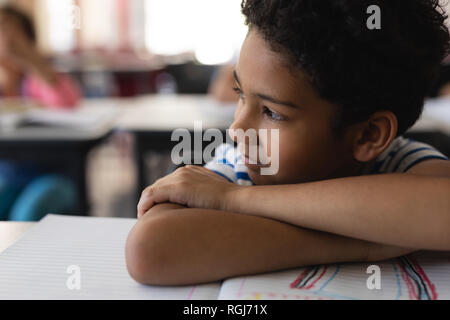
x,y
36,266
424,276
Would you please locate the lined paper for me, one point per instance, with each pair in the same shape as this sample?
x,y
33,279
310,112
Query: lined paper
x,y
36,266
421,276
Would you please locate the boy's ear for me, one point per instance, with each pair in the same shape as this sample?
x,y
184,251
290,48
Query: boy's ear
x,y
373,136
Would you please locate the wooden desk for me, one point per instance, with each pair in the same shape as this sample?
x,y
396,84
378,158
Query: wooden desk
x,y
10,232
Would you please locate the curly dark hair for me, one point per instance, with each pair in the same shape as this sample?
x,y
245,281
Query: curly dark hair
x,y
359,70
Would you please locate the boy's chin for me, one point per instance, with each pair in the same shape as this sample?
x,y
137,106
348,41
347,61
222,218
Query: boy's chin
x,y
277,179
260,179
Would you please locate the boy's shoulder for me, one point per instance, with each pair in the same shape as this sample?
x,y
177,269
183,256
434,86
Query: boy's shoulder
x,y
402,155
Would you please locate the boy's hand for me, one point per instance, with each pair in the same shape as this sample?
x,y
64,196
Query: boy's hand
x,y
191,186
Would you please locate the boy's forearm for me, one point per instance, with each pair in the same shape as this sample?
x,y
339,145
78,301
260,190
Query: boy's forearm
x,y
395,209
188,246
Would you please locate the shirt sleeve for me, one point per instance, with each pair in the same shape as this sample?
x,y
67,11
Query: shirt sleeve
x,y
223,164
405,154
228,163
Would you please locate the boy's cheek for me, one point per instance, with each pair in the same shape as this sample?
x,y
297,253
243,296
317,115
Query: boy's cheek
x,y
298,168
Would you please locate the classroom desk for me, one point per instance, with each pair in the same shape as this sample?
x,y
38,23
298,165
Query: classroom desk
x,y
10,232
435,117
152,119
433,127
61,147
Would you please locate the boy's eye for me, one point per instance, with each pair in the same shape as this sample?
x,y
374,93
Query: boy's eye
x,y
239,92
272,115
266,111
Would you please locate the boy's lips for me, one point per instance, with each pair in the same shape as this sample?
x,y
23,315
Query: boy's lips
x,y
243,149
250,162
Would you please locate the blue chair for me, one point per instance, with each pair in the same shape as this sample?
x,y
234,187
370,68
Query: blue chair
x,y
8,195
45,194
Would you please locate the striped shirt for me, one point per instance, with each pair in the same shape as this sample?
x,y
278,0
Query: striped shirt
x,y
229,163
399,157
402,155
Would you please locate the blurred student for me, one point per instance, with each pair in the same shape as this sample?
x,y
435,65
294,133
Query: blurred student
x,y
25,192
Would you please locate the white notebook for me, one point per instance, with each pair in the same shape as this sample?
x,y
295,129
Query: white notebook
x,y
44,262
36,266
420,276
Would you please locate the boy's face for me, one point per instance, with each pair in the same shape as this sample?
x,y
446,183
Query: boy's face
x,y
274,96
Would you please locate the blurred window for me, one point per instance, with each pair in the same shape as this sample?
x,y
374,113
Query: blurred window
x,y
213,29
58,22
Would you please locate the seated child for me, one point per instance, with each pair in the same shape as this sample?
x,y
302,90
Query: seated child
x,y
349,187
25,73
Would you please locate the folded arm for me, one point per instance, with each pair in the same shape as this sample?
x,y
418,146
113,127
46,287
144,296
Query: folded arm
x,y
406,210
173,245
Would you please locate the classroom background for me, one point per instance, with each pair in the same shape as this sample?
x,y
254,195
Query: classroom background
x,y
143,68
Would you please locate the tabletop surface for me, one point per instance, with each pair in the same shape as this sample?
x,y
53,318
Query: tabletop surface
x,y
165,113
10,232
96,117
93,119
169,112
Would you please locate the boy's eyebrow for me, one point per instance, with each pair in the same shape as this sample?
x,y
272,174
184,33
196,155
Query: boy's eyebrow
x,y
269,98
236,77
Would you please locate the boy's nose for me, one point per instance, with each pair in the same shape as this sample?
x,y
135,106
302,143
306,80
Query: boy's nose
x,y
239,124
244,119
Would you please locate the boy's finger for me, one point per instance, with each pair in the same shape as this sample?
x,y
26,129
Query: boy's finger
x,y
143,206
145,202
152,196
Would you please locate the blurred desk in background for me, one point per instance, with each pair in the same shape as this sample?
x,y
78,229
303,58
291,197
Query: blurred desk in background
x,y
60,142
63,140
152,120
165,113
433,127
435,117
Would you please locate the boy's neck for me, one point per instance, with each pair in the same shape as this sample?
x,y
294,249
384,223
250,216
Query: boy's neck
x,y
366,167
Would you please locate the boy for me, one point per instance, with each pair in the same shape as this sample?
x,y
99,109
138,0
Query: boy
x,y
349,187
